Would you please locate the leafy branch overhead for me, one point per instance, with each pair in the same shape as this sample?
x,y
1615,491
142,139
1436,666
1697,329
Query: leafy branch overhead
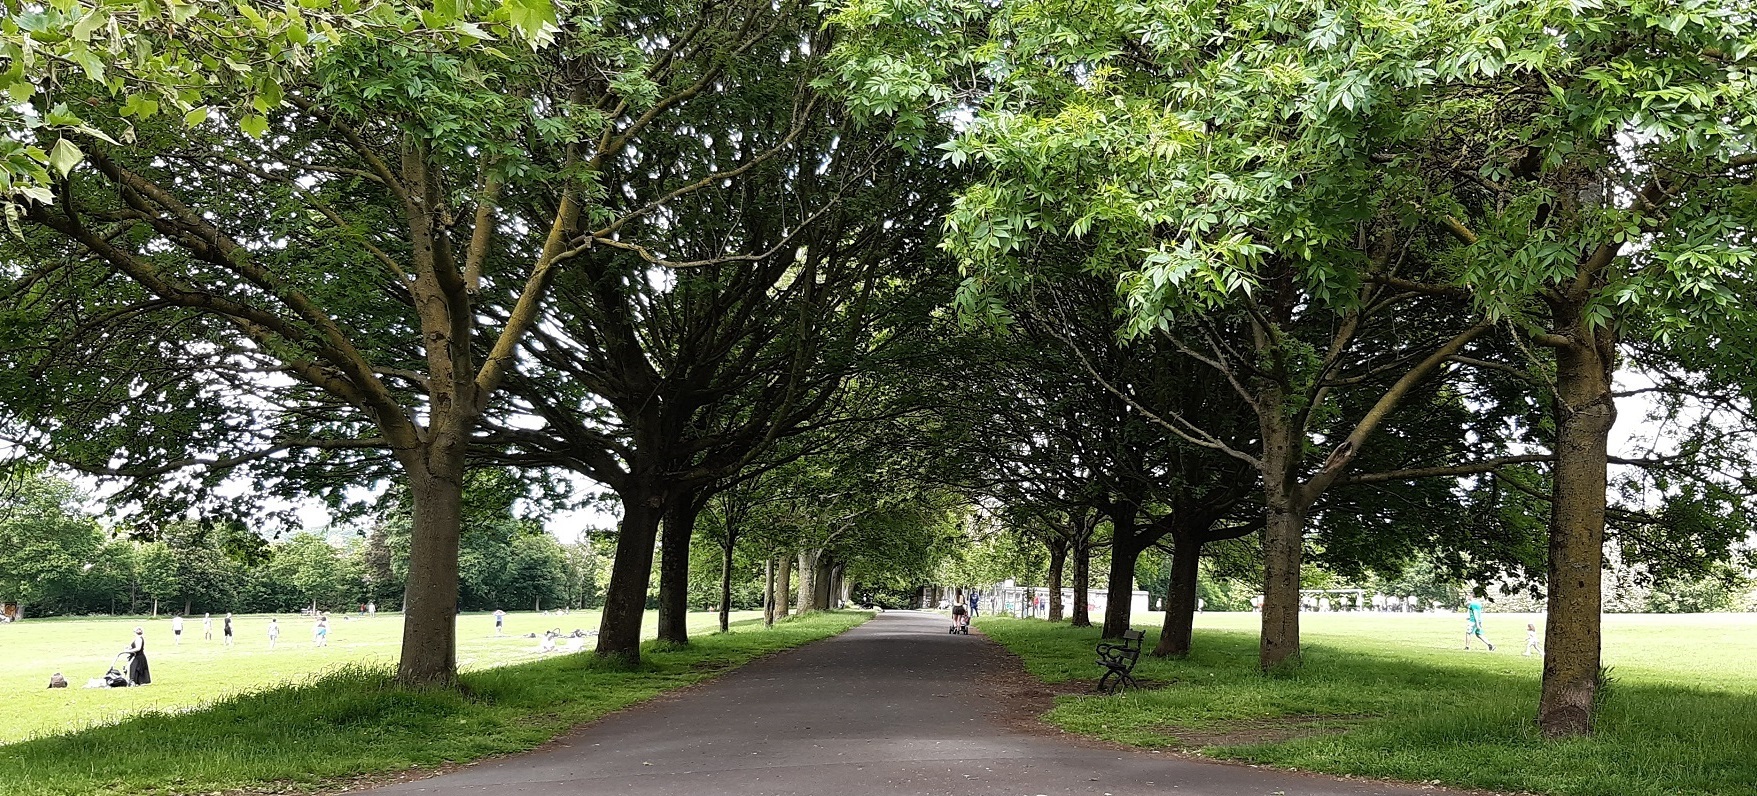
x,y
230,62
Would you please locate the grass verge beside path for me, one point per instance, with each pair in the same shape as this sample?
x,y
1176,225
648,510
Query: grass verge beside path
x,y
1394,698
354,722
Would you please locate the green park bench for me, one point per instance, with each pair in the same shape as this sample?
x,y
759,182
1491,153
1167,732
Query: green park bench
x,y
1118,661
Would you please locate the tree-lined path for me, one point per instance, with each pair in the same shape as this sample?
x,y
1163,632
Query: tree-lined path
x,y
896,706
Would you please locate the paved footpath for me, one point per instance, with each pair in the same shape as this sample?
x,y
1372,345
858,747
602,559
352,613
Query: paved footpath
x,y
887,708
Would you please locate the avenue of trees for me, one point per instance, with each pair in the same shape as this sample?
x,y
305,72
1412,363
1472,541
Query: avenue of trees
x,y
861,296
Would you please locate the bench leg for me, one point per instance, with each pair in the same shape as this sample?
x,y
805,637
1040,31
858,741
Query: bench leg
x,y
1104,684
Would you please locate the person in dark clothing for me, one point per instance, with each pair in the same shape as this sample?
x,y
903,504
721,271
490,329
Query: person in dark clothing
x,y
138,672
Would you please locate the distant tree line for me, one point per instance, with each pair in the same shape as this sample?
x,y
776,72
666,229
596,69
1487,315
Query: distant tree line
x,y
55,559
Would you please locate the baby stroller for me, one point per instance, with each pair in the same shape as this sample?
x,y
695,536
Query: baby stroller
x,y
115,677
960,620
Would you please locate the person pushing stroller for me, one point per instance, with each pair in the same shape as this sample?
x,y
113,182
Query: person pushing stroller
x,y
960,619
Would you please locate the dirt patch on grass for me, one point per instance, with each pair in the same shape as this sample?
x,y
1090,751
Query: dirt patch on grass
x,y
1247,732
1017,699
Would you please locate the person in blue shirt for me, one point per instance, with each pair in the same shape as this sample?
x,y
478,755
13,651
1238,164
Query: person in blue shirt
x,y
1473,624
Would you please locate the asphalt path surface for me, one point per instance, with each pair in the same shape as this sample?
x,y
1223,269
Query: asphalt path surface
x,y
895,706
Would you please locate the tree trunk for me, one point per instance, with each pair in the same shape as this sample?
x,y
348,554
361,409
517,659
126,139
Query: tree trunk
x,y
1058,561
821,583
625,597
835,601
1082,584
1180,597
808,579
1585,411
430,593
1120,588
1283,540
680,517
727,549
783,586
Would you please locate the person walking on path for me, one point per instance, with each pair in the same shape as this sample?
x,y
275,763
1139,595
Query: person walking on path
x,y
974,599
138,671
499,619
226,632
1473,624
1531,644
207,627
177,630
274,633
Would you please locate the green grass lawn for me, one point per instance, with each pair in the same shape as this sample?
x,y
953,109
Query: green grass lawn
x,y
350,721
1397,697
198,671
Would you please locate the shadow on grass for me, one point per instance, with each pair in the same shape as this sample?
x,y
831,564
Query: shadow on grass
x,y
355,721
1376,712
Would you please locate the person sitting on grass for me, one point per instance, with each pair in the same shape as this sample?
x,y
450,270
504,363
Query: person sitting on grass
x,y
57,681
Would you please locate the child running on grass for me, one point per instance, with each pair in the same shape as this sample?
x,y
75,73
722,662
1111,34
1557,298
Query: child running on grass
x,y
1531,640
1473,625
274,633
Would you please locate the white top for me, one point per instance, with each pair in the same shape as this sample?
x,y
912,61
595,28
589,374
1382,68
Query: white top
x,y
176,623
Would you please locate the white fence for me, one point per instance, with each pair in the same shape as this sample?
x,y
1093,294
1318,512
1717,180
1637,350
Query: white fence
x,y
1033,602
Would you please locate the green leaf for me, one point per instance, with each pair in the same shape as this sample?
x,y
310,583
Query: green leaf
x,y
89,61
88,24
195,117
63,116
254,125
21,91
140,106
473,31
536,19
64,157
38,193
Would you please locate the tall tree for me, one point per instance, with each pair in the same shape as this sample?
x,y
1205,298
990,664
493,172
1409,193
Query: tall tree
x,y
1228,239
1610,194
336,282
46,543
669,375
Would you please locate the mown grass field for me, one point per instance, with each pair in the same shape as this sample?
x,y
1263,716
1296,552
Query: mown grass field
x,y
199,671
1397,697
352,722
